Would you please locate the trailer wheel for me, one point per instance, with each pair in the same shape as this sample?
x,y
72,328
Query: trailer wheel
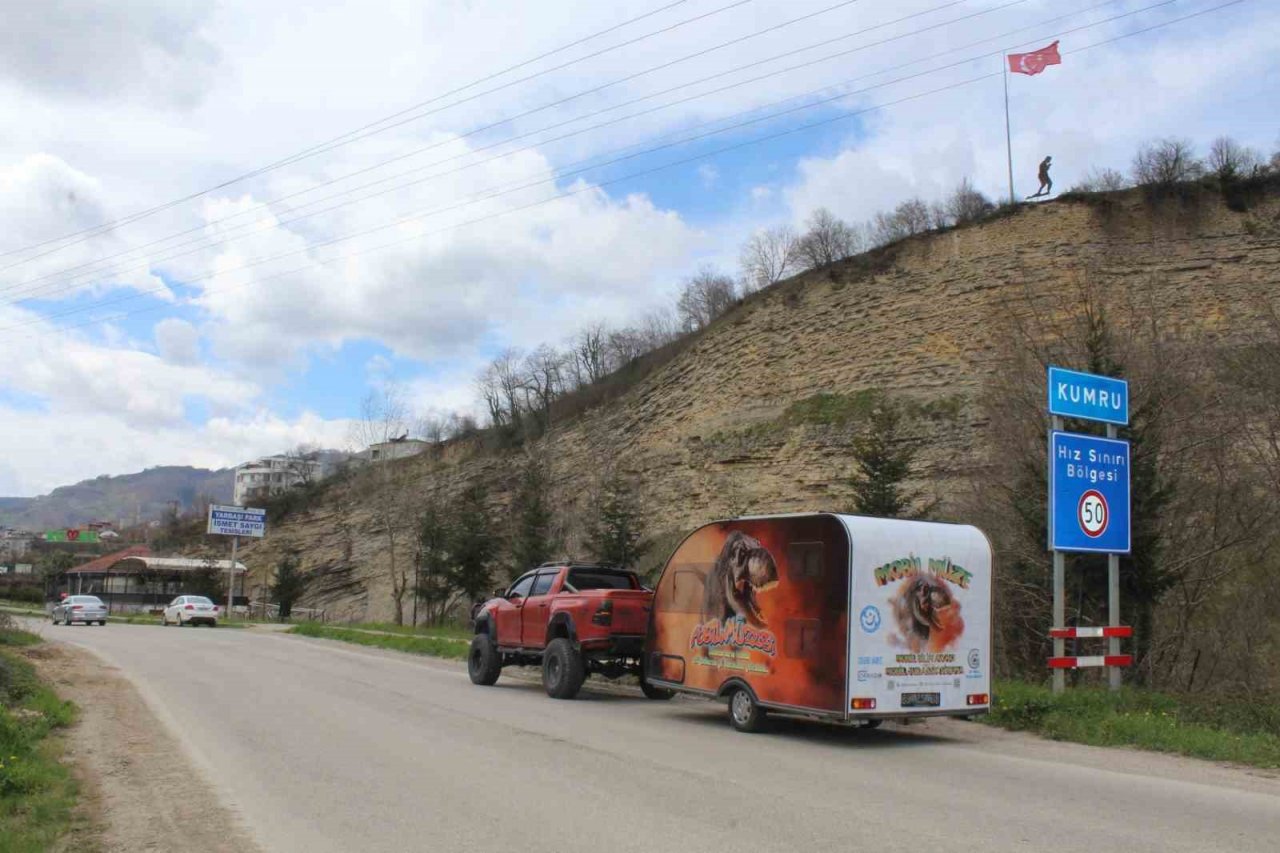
x,y
563,669
745,714
484,664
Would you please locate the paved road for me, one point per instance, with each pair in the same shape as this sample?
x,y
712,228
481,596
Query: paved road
x,y
320,746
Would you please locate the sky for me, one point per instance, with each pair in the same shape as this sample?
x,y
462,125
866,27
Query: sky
x,y
222,224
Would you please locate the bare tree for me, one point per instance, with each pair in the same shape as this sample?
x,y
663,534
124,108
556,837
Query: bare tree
x,y
543,381
908,218
385,416
624,346
589,357
707,295
1229,159
827,239
1101,181
302,464
769,256
1166,162
967,204
502,387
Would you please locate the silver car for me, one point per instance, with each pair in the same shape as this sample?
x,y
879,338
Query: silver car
x,y
80,608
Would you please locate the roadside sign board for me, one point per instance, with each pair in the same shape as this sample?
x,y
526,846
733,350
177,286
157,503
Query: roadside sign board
x,y
1088,493
71,534
1088,396
237,521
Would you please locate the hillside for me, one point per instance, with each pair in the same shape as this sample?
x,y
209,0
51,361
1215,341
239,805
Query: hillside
x,y
145,495
758,413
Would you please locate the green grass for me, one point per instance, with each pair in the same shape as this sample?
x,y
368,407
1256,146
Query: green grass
x,y
454,631
37,792
1217,729
440,647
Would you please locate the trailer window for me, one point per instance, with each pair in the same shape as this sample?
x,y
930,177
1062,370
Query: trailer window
x,y
800,640
682,588
805,560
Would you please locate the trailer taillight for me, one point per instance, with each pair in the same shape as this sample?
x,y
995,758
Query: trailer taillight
x,y
860,704
978,699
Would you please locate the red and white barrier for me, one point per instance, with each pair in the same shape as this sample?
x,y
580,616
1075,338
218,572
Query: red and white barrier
x,y
1083,633
1082,661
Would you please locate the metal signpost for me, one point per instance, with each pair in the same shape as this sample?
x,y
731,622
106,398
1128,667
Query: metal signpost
x,y
1089,506
236,521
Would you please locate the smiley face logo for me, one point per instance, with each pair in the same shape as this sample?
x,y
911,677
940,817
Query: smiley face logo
x,y
869,619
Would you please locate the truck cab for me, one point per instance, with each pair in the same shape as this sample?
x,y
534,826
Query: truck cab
x,y
572,619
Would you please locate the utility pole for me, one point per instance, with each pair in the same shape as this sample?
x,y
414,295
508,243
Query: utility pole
x,y
1008,133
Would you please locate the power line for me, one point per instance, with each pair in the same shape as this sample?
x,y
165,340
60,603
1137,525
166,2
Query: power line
x,y
561,173
682,87
315,149
561,101
632,176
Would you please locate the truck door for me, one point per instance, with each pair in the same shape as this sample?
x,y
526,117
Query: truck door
x,y
508,613
536,610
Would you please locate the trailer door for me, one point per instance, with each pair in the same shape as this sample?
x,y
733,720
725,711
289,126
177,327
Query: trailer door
x,y
920,618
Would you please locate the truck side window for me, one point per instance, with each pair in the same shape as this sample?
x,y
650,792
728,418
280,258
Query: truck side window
x,y
521,588
543,584
804,560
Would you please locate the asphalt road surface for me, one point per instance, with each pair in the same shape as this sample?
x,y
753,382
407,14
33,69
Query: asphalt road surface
x,y
321,746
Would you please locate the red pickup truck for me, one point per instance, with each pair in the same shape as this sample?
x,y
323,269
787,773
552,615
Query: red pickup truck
x,y
571,619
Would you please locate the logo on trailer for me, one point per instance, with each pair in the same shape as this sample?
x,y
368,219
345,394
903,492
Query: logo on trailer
x,y
975,659
1093,513
870,619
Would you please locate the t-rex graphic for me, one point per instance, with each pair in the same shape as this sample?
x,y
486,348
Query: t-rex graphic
x,y
743,570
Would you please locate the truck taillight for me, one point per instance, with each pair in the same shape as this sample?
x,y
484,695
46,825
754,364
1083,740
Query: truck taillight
x,y
860,704
978,699
603,614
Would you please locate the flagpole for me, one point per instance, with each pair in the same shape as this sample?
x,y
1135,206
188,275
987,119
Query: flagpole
x,y
1008,134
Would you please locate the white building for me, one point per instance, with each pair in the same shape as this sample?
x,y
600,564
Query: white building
x,y
272,475
396,448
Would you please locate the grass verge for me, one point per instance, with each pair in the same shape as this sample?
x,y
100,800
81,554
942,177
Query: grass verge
x,y
1211,728
440,647
37,792
456,632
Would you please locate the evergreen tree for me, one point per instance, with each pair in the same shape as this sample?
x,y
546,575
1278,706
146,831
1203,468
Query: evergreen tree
x,y
884,461
288,586
471,545
432,584
533,538
616,534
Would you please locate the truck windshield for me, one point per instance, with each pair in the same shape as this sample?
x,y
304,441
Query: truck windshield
x,y
581,579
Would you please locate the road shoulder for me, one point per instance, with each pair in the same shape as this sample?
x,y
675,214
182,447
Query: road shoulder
x,y
138,785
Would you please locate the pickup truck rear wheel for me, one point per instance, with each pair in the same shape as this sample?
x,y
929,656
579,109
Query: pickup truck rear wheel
x,y
745,714
563,669
484,664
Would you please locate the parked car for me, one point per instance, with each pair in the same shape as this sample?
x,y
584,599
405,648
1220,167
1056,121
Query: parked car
x,y
80,608
571,619
837,617
190,610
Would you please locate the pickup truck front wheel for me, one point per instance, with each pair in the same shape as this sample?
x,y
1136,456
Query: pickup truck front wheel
x,y
563,669
484,664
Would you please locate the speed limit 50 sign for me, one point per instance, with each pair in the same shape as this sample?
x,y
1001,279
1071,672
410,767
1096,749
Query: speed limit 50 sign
x,y
1088,493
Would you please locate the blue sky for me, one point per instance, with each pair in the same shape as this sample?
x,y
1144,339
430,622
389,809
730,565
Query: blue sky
x,y
252,336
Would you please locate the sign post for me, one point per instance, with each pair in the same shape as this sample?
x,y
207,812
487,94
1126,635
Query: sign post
x,y
235,521
1089,507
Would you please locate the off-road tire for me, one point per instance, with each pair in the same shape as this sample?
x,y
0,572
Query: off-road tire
x,y
654,692
745,713
484,663
563,669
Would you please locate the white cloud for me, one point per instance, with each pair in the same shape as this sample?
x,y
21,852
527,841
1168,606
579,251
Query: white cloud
x,y
177,341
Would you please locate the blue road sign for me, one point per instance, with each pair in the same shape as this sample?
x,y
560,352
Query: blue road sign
x,y
1088,396
1088,493
237,521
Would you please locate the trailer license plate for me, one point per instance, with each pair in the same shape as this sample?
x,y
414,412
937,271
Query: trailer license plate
x,y
921,700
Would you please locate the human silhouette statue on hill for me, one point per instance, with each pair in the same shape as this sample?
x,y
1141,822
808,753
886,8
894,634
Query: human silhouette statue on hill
x,y
1046,183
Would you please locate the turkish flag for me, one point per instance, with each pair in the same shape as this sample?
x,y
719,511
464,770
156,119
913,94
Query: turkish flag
x,y
1035,61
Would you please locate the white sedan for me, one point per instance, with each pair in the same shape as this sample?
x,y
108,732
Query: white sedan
x,y
190,610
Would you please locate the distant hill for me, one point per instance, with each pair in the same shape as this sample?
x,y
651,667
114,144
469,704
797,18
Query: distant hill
x,y
145,495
